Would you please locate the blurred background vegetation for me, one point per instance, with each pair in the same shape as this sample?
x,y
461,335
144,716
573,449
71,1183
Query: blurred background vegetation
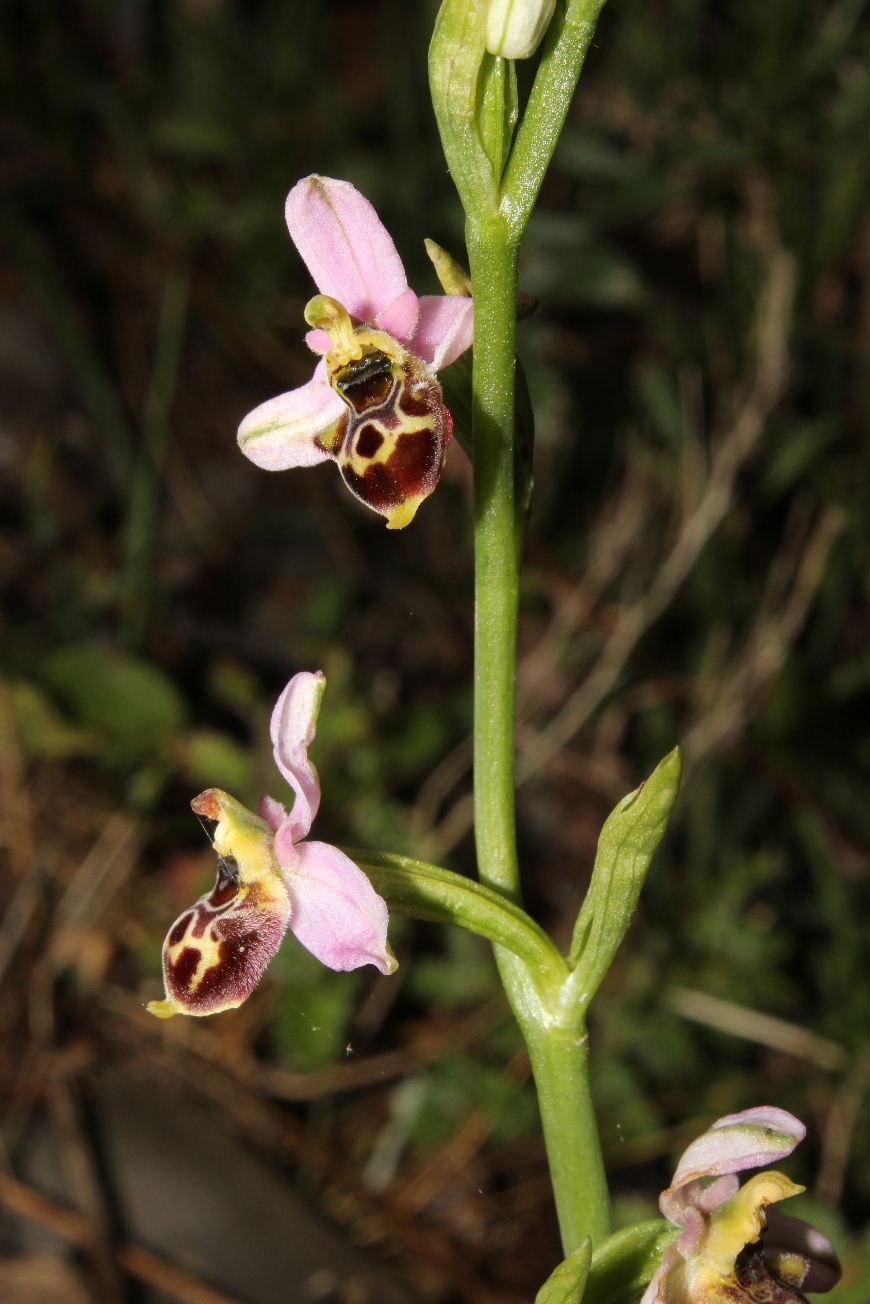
x,y
695,547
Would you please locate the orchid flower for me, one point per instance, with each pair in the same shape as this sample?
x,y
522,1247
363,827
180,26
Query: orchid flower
x,y
732,1251
271,877
373,404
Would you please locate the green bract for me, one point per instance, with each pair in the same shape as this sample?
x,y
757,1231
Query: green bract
x,y
630,836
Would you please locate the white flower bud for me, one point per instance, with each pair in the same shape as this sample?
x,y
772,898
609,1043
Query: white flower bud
x,y
514,28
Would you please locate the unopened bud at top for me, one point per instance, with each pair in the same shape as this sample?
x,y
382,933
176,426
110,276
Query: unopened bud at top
x,y
515,28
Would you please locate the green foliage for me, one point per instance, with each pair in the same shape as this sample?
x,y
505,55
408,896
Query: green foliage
x,y
566,1284
462,974
313,1009
42,730
459,1085
623,1265
209,759
628,842
129,702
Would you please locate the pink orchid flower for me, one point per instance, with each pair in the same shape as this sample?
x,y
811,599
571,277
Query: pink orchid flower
x,y
373,404
271,877
732,1250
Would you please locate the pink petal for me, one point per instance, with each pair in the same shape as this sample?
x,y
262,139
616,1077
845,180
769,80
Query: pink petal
x,y
287,431
694,1228
344,245
400,318
336,913
285,846
273,812
719,1190
318,341
445,329
292,727
683,1205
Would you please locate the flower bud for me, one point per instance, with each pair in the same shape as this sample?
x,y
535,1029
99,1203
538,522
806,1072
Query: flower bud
x,y
515,28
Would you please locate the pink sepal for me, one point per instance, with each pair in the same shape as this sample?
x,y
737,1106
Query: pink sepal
x,y
283,432
746,1140
336,913
344,245
292,728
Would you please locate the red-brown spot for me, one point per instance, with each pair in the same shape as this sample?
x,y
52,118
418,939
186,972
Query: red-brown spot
x,y
183,968
411,471
223,893
179,928
368,441
202,918
227,885
418,404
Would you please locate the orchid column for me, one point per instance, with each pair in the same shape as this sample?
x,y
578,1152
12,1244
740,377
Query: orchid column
x,y
498,172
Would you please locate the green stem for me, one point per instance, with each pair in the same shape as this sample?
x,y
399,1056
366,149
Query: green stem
x,y
493,257
558,1052
560,1063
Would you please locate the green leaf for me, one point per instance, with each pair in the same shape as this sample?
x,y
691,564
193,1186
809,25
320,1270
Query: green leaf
x,y
460,73
127,701
208,758
497,109
42,731
426,891
627,1261
567,1284
562,53
628,841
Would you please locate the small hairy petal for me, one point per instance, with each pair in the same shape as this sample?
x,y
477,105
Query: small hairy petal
x,y
337,915
293,429
707,1197
345,246
273,812
400,318
445,329
292,728
318,341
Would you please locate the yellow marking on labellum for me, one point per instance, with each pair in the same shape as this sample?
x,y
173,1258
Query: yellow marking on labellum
x,y
391,449
215,953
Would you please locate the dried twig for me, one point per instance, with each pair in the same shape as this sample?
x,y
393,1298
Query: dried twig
x,y
138,1262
